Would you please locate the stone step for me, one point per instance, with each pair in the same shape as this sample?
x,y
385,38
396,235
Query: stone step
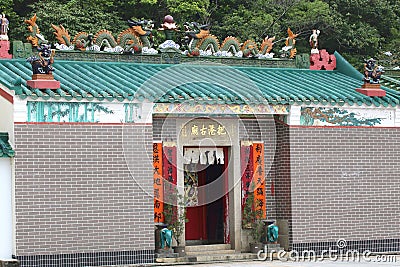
x,y
220,251
171,255
164,250
200,248
208,258
272,247
171,260
222,257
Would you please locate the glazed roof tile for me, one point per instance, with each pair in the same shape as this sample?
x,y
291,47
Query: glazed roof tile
x,y
5,147
390,82
197,83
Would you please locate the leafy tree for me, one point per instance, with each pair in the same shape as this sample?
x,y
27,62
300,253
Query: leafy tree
x,y
182,10
7,7
74,16
246,19
363,28
238,22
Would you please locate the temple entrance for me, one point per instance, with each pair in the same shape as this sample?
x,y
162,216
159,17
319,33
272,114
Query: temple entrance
x,y
205,190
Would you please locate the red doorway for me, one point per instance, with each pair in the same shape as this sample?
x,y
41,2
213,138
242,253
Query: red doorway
x,y
207,221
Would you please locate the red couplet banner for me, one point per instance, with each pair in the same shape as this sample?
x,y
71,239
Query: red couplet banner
x,y
158,183
246,158
169,164
259,180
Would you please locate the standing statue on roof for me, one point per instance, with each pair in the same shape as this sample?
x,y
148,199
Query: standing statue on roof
x,y
314,41
3,27
372,72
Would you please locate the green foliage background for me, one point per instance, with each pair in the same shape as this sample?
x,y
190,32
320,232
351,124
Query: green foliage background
x,y
355,28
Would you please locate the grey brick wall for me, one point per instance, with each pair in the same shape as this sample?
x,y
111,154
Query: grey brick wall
x,y
282,173
164,129
345,183
83,188
283,185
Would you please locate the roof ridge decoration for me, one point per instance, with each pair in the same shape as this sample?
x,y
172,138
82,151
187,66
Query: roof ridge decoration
x,y
4,42
3,27
320,59
197,40
42,77
372,76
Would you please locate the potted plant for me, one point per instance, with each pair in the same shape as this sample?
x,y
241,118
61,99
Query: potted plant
x,y
175,219
253,223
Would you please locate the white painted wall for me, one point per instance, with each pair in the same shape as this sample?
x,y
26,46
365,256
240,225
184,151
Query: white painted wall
x,y
397,117
6,222
6,118
294,115
390,116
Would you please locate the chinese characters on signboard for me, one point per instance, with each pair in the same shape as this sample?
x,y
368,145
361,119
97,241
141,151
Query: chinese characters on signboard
x,y
204,129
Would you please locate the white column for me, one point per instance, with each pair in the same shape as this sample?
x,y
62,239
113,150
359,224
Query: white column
x,y
294,115
235,198
146,113
180,177
397,117
20,110
6,222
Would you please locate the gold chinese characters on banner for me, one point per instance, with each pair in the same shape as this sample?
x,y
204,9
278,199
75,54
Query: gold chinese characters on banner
x,y
259,180
158,183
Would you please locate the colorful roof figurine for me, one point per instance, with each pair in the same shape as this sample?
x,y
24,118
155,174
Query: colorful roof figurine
x,y
6,150
3,27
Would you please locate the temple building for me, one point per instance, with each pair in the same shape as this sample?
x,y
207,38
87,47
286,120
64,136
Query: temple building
x,y
87,166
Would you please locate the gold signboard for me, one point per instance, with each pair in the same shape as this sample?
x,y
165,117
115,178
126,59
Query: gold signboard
x,y
220,131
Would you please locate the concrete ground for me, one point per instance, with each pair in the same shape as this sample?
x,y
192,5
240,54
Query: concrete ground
x,y
380,260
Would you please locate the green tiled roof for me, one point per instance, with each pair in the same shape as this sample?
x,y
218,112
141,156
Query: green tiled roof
x,y
5,147
179,83
390,82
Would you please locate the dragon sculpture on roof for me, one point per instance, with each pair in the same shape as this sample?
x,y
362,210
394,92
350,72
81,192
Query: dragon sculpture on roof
x,y
198,38
34,37
138,38
289,50
133,39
